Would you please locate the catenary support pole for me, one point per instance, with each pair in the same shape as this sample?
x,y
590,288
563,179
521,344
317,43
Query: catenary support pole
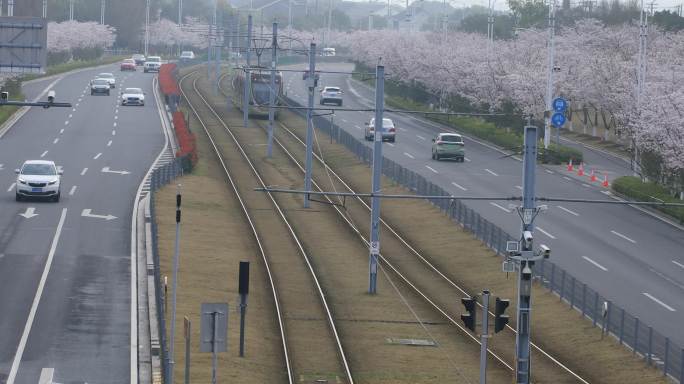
x,y
377,172
174,287
248,76
484,336
311,85
44,9
102,11
272,95
147,27
522,341
218,46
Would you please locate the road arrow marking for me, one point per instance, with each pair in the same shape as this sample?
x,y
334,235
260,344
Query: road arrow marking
x,y
46,375
86,213
29,213
107,170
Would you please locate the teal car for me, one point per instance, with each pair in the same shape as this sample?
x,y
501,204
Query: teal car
x,y
448,146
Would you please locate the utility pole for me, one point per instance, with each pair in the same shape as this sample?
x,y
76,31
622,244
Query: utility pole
x,y
484,337
210,49
147,27
329,21
10,8
174,288
549,78
378,129
311,85
102,11
218,43
271,99
180,12
289,22
248,76
71,9
44,9
641,78
490,28
370,22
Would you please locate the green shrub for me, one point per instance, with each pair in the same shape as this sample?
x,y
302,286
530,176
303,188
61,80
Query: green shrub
x,y
558,154
634,188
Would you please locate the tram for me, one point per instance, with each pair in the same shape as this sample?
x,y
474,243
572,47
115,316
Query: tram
x,y
259,91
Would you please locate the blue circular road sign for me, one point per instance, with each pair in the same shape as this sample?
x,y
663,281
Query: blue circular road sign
x,y
558,119
560,104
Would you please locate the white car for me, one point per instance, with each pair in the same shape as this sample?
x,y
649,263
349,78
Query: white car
x,y
133,96
187,55
331,95
109,77
152,64
389,131
38,178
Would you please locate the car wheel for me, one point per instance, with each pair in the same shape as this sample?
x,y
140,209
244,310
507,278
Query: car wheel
x,y
92,93
107,93
437,156
339,104
17,196
56,197
393,140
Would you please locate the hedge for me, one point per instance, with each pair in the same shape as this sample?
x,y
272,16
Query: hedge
x,y
636,189
186,142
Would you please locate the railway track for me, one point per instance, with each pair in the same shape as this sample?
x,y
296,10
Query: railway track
x,y
278,244
409,265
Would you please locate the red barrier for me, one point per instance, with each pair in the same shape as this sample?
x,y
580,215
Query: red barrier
x,y
167,80
186,139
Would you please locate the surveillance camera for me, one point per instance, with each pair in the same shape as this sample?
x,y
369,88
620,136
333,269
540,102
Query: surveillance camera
x,y
545,251
51,96
527,235
4,96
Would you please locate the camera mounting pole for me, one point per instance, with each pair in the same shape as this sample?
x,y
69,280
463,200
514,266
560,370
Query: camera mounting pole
x,y
4,100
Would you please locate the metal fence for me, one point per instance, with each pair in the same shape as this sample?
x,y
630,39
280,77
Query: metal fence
x,y
160,177
642,339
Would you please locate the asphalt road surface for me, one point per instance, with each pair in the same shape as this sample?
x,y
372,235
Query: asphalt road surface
x,y
65,268
628,256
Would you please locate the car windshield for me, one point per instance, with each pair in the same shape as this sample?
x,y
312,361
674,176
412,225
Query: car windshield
x,y
105,75
133,90
38,169
451,139
100,82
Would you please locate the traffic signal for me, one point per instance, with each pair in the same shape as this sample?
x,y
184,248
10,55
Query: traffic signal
x,y
469,317
500,320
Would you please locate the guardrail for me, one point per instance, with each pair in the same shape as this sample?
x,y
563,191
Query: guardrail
x,y
655,348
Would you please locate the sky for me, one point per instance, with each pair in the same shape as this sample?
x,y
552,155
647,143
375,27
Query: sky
x,y
502,5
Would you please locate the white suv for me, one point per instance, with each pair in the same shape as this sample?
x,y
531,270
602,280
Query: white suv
x,y
38,178
152,64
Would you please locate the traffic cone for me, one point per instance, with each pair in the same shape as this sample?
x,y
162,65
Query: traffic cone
x,y
580,171
570,166
605,180
592,178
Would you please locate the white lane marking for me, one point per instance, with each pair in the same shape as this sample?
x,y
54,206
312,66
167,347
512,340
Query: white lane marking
x,y
77,104
519,187
569,211
11,187
420,137
607,193
44,153
467,159
597,265
72,190
36,300
390,144
55,141
409,155
73,110
29,213
491,172
567,178
500,207
432,169
656,300
618,234
66,122
107,170
114,124
549,172
403,129
357,127
71,115
97,156
116,117
678,264
83,172
344,120
87,213
546,233
586,185
109,143
46,375
458,186
113,132
61,131
79,99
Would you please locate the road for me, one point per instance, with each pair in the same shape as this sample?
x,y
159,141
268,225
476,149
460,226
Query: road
x,y
628,256
65,273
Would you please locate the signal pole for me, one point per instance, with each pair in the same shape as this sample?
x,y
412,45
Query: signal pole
x,y
271,100
71,9
377,173
147,27
102,11
10,8
248,77
484,337
311,84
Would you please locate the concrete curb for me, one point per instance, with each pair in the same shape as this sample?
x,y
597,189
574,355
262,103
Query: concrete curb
x,y
144,355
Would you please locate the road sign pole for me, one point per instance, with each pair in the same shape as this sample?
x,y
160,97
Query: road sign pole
x,y
522,341
214,351
311,82
243,290
271,100
484,337
377,172
214,332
